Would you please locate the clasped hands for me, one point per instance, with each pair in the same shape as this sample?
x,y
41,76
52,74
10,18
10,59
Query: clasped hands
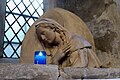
x,y
64,49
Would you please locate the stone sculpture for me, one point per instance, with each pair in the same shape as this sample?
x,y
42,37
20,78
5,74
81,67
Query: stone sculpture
x,y
63,46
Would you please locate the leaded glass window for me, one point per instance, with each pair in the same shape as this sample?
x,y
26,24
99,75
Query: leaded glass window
x,y
20,15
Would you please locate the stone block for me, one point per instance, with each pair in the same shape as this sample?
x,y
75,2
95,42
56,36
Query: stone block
x,y
93,73
28,71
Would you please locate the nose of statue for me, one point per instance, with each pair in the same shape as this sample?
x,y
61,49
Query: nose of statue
x,y
43,37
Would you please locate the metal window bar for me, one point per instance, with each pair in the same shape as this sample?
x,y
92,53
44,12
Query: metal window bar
x,y
10,42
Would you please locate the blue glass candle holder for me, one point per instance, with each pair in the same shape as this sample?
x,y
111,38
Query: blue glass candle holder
x,y
40,57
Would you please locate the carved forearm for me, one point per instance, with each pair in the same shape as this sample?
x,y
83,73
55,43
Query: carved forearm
x,y
57,58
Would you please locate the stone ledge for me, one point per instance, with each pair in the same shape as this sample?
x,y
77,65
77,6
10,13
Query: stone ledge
x,y
9,60
93,73
51,72
28,71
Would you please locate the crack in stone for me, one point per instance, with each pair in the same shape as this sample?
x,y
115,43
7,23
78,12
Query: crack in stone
x,y
59,74
62,74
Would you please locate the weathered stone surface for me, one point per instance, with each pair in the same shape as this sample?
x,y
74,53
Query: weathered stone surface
x,y
2,25
28,71
51,72
86,9
93,73
103,19
49,4
106,30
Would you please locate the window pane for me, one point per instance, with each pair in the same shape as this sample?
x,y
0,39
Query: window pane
x,y
26,27
21,21
26,13
15,27
35,14
11,4
31,9
35,4
31,21
9,34
14,56
40,11
21,35
21,7
16,10
16,16
10,18
17,1
8,49
26,2
15,40
15,46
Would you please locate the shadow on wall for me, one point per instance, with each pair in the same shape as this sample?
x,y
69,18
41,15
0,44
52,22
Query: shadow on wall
x,y
86,9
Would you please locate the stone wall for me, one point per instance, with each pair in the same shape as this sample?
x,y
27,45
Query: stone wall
x,y
103,19
49,4
2,22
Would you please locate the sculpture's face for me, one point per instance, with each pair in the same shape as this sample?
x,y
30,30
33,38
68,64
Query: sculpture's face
x,y
46,34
